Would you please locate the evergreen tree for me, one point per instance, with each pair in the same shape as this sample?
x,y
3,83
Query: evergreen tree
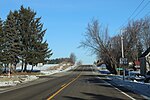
x,y
3,60
1,41
11,45
21,39
32,34
25,18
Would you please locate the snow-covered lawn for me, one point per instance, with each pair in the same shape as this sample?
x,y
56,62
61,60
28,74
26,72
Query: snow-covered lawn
x,y
47,69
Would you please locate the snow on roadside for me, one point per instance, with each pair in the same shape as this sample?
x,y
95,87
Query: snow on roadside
x,y
14,80
138,87
40,67
45,69
7,83
30,78
69,68
58,70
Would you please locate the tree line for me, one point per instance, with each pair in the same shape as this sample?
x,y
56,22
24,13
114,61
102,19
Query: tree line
x,y
21,39
71,59
136,37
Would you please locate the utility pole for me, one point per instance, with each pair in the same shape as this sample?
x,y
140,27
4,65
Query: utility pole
x,y
122,46
122,51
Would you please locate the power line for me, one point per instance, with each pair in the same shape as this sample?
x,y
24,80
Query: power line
x,y
132,13
141,9
136,9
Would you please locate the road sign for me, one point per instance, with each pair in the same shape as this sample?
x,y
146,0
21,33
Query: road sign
x,y
119,68
123,61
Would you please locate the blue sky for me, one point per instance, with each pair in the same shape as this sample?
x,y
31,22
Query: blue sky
x,y
66,20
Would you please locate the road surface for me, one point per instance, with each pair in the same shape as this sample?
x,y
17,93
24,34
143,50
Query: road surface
x,y
83,83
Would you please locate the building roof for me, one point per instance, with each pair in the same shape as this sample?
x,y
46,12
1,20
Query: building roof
x,y
145,53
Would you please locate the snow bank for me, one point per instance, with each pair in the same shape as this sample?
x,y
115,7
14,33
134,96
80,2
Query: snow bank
x,y
69,68
30,78
138,87
58,70
50,72
45,67
14,80
7,83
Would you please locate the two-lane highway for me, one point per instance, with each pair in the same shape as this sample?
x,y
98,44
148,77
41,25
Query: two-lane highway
x,y
83,83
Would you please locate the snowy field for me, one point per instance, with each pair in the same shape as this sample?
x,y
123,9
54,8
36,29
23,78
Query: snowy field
x,y
39,67
47,69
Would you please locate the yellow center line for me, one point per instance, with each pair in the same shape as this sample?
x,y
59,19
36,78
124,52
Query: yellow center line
x,y
63,87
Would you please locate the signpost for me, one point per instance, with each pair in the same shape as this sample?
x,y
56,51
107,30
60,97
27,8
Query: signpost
x,y
123,62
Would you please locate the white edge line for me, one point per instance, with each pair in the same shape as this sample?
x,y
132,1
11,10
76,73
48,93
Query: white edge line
x,y
119,90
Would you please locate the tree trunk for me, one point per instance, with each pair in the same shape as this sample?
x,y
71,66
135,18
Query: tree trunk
x,y
25,67
5,69
9,66
32,68
14,69
110,66
22,66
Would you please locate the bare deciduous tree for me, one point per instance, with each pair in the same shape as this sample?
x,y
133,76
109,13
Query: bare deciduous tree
x,y
73,58
79,63
145,33
132,40
136,38
97,40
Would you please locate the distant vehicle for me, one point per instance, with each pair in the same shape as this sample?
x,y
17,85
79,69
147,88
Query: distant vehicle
x,y
134,75
104,72
147,77
103,69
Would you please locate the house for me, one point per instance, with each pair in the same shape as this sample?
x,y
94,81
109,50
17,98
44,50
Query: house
x,y
145,62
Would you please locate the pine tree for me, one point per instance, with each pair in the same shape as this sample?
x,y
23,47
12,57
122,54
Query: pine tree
x,y
3,60
39,50
11,44
26,16
21,39
1,41
32,34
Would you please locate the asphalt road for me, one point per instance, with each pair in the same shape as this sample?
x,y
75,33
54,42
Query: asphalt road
x,y
83,83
